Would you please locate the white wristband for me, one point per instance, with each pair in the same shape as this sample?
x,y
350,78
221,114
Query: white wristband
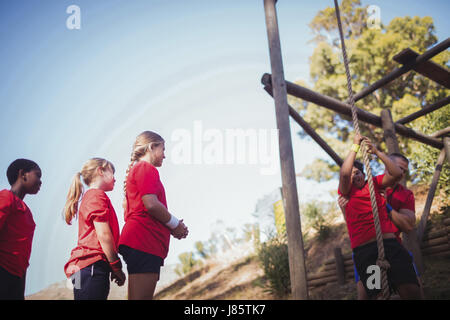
x,y
173,222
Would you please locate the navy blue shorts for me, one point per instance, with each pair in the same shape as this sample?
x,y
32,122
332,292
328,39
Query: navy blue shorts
x,y
140,262
401,269
92,282
355,272
11,287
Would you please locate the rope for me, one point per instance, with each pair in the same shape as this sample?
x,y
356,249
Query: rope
x,y
381,261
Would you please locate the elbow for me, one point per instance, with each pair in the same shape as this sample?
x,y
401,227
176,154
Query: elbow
x,y
411,225
150,202
408,228
103,236
149,206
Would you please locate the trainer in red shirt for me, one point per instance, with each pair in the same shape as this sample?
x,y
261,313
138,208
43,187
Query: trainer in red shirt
x,y
401,199
142,231
95,206
16,233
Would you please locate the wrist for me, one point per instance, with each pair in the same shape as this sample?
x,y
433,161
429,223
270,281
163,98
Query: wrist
x,y
173,222
355,147
388,207
116,266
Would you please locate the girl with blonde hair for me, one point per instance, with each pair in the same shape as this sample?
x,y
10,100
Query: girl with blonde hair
x,y
144,242
95,256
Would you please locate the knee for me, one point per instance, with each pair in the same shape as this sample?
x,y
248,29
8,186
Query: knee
x,y
409,292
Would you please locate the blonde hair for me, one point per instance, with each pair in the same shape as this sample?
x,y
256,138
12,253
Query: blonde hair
x,y
76,190
141,145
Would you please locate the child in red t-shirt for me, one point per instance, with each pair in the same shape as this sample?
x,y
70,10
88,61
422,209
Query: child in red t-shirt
x,y
144,242
17,227
360,225
95,256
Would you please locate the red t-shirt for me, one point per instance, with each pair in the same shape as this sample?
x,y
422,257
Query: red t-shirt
x,y
400,198
359,216
16,233
141,231
95,206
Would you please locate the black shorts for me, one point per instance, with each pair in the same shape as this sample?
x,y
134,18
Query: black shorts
x,y
92,282
140,262
11,287
401,269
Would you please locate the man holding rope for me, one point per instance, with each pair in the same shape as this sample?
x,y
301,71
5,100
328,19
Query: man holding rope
x,y
359,219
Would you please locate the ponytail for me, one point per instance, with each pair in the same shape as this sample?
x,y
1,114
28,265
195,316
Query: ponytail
x,y
76,188
73,197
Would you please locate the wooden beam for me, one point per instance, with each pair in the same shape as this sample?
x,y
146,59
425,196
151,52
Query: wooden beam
x,y
447,147
405,68
426,210
340,268
296,253
428,68
325,101
311,132
425,110
441,133
345,109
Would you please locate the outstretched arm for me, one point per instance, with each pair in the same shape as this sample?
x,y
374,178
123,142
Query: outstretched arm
x,y
345,174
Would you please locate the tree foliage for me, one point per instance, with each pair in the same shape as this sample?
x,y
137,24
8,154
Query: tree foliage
x,y
370,53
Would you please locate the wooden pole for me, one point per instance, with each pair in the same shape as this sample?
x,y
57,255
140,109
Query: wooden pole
x,y
409,238
340,268
389,131
297,267
426,210
447,147
441,133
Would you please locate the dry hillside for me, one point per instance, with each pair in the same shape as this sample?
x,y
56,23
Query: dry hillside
x,y
243,278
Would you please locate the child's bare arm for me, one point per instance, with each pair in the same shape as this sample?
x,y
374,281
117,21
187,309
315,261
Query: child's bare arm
x,y
345,173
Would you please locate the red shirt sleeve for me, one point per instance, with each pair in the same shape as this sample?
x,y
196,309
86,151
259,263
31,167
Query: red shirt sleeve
x,y
97,206
147,179
5,208
409,202
378,180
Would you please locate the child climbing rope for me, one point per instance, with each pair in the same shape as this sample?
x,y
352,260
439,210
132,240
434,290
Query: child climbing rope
x,y
359,219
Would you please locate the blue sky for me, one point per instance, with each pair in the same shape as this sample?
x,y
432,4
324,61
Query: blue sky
x,y
69,95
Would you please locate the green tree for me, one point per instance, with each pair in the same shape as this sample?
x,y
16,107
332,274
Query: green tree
x,y
370,53
314,212
187,262
202,250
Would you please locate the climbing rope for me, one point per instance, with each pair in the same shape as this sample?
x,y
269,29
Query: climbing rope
x,y
381,261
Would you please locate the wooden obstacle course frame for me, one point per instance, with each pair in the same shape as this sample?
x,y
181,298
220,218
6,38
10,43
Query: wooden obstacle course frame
x,y
278,88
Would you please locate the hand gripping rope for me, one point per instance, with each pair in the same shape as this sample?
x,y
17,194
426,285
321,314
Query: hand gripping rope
x,y
381,261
